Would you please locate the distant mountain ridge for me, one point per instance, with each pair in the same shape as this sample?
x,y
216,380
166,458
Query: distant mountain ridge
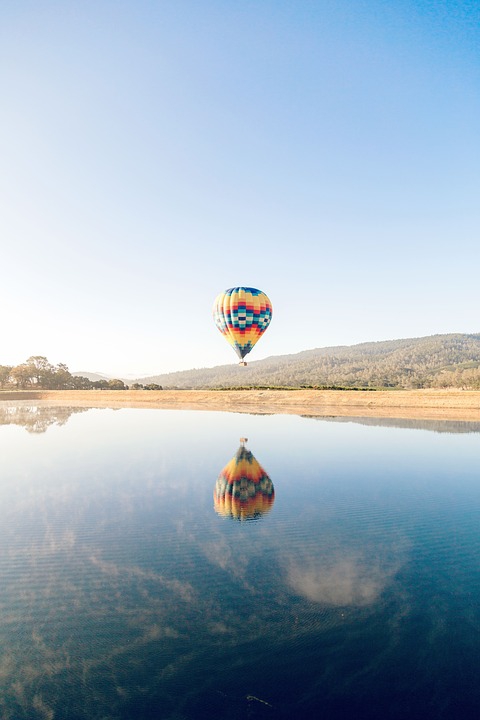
x,y
450,360
91,375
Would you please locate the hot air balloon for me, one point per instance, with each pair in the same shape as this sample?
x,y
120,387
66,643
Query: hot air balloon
x,y
242,314
243,489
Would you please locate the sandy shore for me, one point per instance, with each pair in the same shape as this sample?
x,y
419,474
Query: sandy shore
x,y
415,404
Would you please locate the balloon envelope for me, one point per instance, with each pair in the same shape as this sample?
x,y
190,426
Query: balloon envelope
x,y
242,314
243,489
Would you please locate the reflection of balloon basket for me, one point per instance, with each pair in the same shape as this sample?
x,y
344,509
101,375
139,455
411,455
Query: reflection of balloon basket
x,y
243,489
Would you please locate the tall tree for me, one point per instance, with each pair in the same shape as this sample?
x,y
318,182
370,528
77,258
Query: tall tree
x,y
5,371
41,371
22,375
62,378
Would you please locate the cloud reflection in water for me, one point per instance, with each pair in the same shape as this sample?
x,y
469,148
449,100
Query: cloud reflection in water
x,y
353,578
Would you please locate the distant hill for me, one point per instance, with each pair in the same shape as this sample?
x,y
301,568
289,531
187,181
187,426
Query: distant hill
x,y
91,376
435,361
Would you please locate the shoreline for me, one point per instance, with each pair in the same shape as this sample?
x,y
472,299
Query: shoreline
x,y
429,404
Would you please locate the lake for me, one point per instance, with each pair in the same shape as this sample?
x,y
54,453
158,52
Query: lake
x,y
188,565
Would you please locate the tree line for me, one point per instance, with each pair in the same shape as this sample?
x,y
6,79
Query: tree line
x,y
37,372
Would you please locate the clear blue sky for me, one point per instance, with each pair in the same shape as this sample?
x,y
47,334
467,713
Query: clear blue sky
x,y
153,154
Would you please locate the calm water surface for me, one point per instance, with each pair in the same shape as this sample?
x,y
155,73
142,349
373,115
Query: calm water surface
x,y
349,589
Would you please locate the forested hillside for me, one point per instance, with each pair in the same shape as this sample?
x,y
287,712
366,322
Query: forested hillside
x,y
435,361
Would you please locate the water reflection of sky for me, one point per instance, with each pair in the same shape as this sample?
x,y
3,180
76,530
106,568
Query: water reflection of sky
x,y
124,594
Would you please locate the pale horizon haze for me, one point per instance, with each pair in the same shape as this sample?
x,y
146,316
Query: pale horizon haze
x,y
153,154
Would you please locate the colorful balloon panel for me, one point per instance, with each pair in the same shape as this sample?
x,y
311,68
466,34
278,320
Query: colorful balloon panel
x,y
243,489
242,314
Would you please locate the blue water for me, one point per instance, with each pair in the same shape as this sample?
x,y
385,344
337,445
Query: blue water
x,y
125,594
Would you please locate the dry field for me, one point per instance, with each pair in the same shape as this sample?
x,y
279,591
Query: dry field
x,y
415,404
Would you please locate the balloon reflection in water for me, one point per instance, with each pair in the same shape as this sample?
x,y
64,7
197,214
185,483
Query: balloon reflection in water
x,y
243,490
